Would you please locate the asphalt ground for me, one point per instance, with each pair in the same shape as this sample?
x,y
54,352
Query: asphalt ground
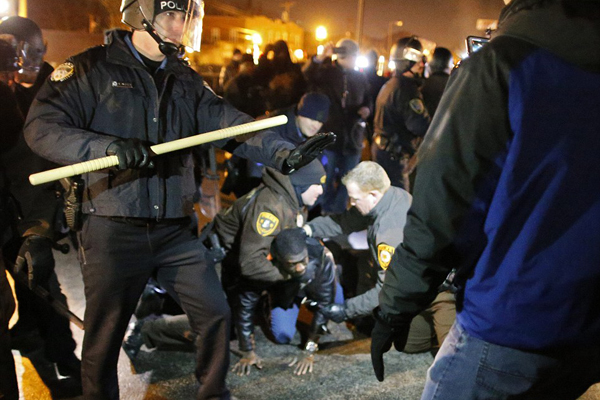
x,y
342,368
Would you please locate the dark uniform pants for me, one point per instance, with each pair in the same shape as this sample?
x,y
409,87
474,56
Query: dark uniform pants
x,y
117,259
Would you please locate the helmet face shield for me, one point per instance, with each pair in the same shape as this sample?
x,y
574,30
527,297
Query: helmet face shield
x,y
31,56
412,54
175,21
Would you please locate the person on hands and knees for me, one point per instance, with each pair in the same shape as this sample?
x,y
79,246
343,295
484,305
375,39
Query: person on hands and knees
x,y
311,281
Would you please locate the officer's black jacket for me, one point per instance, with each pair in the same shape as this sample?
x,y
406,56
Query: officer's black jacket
x,y
400,114
111,95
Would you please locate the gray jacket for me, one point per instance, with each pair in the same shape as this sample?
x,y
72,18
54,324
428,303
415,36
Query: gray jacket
x,y
385,226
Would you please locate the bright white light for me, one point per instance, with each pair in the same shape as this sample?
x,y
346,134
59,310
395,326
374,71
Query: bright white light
x,y
256,53
321,33
4,6
362,62
256,38
380,65
392,65
299,54
320,49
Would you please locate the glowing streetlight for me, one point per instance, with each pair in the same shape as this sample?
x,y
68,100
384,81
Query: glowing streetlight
x,y
299,54
321,33
256,42
380,65
5,7
391,26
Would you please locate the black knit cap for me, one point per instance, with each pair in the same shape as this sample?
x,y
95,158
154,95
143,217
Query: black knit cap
x,y
314,106
311,174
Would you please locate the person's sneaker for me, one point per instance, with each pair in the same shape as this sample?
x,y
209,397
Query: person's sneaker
x,y
133,339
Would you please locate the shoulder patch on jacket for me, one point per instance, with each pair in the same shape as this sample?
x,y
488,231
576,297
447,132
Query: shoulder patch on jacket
x,y
266,223
63,72
417,106
384,255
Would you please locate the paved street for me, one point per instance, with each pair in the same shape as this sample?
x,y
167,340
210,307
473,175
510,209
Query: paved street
x,y
342,370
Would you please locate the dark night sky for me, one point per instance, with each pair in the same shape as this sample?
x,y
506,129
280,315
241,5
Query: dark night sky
x,y
446,22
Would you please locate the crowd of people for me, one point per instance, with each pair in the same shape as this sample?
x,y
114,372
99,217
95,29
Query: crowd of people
x,y
475,193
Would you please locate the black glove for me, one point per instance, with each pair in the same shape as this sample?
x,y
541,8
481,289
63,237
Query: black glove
x,y
132,153
307,151
36,260
383,335
335,312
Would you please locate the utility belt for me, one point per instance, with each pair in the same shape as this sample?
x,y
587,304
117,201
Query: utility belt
x,y
393,147
209,238
151,222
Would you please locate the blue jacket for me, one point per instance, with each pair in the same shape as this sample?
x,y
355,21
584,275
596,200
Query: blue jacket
x,y
507,188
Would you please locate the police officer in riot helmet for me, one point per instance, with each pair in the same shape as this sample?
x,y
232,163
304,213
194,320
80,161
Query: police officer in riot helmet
x,y
30,47
35,231
119,99
8,382
401,119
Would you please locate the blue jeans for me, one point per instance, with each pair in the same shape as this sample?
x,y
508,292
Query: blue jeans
x,y
470,368
283,322
335,196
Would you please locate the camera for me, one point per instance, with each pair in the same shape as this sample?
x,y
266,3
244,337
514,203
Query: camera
x,y
475,43
340,51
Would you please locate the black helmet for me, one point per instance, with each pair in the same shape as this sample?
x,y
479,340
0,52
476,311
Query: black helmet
x,y
406,52
30,46
440,60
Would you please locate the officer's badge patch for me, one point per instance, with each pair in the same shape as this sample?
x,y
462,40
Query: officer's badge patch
x,y
384,255
63,72
266,223
417,106
323,179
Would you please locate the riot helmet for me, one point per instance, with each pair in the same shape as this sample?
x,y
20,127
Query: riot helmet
x,y
176,25
405,53
345,52
30,46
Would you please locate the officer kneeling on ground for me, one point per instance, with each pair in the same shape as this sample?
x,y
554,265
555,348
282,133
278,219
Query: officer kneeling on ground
x,y
381,209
